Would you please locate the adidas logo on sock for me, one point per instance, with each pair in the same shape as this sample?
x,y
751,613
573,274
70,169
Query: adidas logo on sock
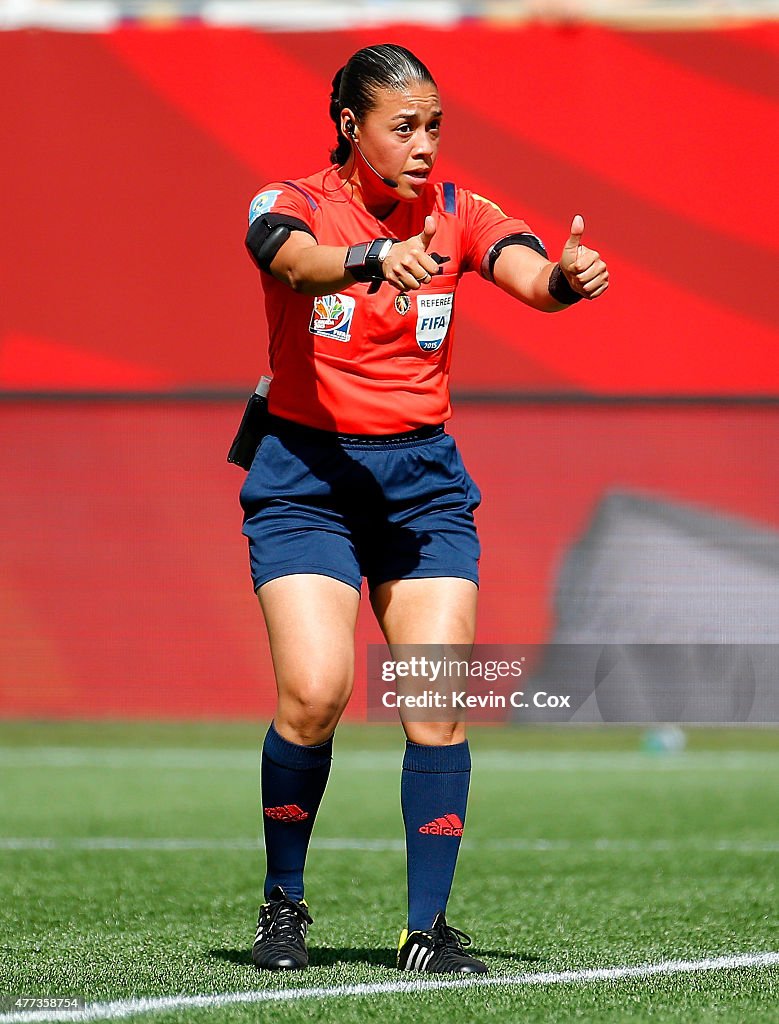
x,y
289,812
449,825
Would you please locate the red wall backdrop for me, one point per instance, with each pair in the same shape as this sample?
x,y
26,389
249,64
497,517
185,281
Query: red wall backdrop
x,y
124,582
129,160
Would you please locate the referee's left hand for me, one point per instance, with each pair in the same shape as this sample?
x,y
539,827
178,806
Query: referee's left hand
x,y
584,269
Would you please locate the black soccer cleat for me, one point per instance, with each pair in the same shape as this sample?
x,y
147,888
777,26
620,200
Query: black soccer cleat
x,y
280,942
439,950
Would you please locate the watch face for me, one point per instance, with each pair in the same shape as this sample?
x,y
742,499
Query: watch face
x,y
355,257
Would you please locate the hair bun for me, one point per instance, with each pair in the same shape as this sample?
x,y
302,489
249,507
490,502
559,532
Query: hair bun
x,y
335,102
335,95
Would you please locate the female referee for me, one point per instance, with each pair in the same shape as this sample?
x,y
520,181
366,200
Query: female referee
x,y
357,476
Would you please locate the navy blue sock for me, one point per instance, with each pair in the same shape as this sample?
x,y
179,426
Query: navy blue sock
x,y
293,783
433,796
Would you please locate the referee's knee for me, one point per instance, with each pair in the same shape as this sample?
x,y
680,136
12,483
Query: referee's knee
x,y
307,717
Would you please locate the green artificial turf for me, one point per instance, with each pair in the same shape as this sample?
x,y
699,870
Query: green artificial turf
x,y
581,851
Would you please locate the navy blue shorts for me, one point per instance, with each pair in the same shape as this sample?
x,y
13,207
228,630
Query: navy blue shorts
x,y
347,507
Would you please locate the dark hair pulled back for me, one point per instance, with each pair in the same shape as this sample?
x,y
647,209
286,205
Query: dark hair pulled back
x,y
385,66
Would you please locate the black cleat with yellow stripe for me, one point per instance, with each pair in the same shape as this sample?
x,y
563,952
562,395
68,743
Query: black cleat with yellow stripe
x,y
438,950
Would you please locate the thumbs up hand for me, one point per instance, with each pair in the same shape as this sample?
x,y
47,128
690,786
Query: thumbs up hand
x,y
408,264
584,270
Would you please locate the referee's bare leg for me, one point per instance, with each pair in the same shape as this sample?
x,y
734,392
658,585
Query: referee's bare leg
x,y
428,611
311,621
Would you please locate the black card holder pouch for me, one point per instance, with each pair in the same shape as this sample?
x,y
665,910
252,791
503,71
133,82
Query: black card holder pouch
x,y
253,427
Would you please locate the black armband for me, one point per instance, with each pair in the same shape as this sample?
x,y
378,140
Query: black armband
x,y
268,233
559,288
525,238
364,260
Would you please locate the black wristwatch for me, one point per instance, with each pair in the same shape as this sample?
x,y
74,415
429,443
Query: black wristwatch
x,y
364,260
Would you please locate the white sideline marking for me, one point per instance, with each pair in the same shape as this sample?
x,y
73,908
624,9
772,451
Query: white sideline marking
x,y
129,1007
164,844
192,759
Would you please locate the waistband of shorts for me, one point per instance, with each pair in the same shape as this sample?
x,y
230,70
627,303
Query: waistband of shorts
x,y
289,428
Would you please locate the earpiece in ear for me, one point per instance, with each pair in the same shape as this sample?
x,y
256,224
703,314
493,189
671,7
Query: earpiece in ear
x,y
350,129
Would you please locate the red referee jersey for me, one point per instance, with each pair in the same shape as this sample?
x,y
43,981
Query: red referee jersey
x,y
372,364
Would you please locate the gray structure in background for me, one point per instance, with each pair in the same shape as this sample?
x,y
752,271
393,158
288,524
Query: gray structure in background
x,y
665,613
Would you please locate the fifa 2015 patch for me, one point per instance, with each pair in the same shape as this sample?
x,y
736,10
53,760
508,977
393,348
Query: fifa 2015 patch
x,y
263,203
434,313
332,317
402,303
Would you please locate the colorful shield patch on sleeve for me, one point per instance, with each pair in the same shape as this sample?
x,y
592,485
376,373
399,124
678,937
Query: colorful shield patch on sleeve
x,y
332,316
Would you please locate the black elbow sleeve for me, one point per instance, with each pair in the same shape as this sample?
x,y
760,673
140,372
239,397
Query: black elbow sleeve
x,y
268,233
525,238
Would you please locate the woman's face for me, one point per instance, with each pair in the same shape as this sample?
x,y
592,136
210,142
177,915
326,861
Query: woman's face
x,y
400,137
